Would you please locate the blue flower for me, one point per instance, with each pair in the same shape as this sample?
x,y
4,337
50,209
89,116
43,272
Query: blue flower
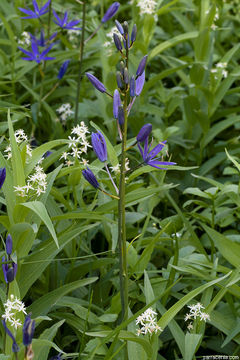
x,y
90,177
2,176
42,41
63,69
37,12
28,330
144,132
35,55
111,11
99,146
149,157
63,22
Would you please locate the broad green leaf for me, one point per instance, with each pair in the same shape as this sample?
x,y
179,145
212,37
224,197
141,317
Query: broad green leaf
x,y
39,208
191,345
233,160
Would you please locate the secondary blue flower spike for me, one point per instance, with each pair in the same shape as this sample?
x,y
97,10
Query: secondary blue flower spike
x,y
15,347
144,132
141,66
96,83
111,11
28,330
63,22
149,157
90,177
37,12
35,55
119,27
2,176
63,69
116,103
9,244
99,146
139,84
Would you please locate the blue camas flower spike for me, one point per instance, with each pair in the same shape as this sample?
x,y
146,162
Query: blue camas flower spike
x,y
141,66
99,146
111,11
28,330
90,177
96,83
63,69
9,244
35,55
149,157
2,176
63,22
144,132
15,347
37,12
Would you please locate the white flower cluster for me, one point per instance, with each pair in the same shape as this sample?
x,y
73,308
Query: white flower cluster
x,y
78,144
20,137
147,6
65,111
148,323
116,168
25,39
36,184
196,312
12,307
220,69
73,37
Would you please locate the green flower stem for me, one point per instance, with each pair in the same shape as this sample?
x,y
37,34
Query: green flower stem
x,y
121,216
80,62
92,35
51,91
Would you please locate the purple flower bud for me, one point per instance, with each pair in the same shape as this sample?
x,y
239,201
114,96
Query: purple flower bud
x,y
134,33
9,244
124,42
120,115
141,66
119,27
125,28
99,146
119,80
144,132
96,83
126,76
117,42
15,347
111,11
2,176
139,84
132,86
116,103
63,69
9,273
90,177
28,330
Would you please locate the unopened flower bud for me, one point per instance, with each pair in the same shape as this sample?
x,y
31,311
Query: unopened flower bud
x,y
111,11
122,67
125,28
2,176
119,27
28,330
126,76
126,41
63,69
121,115
134,33
96,83
117,42
90,177
116,103
132,86
9,244
99,146
141,66
139,84
119,80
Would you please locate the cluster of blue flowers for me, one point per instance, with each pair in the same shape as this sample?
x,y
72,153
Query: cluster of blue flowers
x,y
134,84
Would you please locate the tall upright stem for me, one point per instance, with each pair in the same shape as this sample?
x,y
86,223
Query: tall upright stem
x,y
80,61
121,216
